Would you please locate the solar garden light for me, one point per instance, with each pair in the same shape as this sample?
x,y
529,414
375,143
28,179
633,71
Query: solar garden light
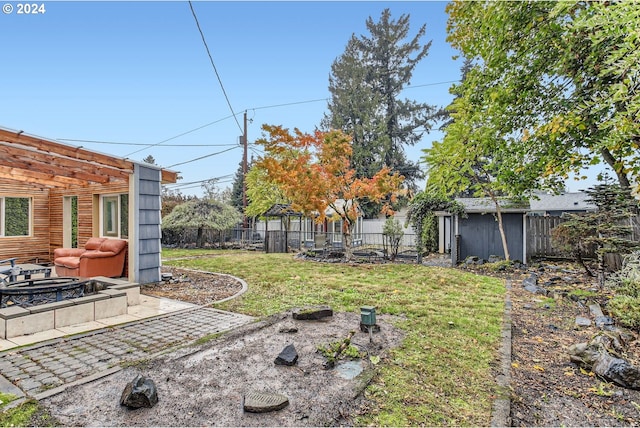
x,y
368,319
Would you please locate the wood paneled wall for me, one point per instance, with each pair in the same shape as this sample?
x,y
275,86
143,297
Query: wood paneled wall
x,y
88,211
34,248
47,216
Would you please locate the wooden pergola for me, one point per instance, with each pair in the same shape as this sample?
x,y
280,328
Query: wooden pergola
x,y
49,174
41,162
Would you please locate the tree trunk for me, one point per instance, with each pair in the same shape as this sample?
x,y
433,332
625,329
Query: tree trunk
x,y
347,239
199,238
623,180
503,236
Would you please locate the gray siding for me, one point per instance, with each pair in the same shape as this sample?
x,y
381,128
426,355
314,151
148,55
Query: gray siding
x,y
148,187
479,236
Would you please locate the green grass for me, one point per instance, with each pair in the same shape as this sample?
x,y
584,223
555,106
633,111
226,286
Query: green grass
x,y
27,413
441,375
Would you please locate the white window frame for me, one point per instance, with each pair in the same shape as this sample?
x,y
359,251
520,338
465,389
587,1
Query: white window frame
x,y
116,231
3,217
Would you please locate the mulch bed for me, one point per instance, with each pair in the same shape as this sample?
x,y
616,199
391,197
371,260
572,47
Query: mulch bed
x,y
200,288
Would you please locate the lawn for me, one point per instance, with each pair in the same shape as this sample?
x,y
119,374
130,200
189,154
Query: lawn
x,y
441,375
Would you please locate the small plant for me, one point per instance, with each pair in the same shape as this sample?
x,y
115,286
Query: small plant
x,y
603,389
501,265
625,305
392,233
333,351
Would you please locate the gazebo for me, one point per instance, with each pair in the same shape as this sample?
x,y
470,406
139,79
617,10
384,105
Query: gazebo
x,y
278,241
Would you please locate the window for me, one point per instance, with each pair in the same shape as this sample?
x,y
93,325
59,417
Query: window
x,y
15,216
115,216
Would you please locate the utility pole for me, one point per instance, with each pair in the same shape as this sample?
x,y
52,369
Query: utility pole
x,y
244,173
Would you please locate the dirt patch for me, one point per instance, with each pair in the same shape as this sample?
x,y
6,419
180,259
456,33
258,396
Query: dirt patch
x,y
204,385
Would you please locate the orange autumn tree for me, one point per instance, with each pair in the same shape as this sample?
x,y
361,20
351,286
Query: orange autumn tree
x,y
314,172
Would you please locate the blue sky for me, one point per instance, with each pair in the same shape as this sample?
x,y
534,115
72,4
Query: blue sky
x,y
138,73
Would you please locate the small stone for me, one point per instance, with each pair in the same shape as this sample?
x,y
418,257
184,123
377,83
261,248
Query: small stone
x,y
263,402
288,356
604,321
313,313
596,310
288,329
140,392
583,322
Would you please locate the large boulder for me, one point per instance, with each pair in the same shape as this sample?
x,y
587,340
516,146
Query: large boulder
x,y
140,392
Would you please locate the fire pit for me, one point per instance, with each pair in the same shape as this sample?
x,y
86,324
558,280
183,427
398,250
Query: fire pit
x,y
40,291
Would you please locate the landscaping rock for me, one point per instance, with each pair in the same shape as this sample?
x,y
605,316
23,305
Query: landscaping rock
x,y
604,322
263,402
288,356
583,322
618,371
140,392
596,310
313,313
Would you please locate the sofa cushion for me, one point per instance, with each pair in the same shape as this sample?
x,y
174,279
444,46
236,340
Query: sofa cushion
x,y
68,262
94,243
113,245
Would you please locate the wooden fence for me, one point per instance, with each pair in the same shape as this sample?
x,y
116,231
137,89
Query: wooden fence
x,y
539,236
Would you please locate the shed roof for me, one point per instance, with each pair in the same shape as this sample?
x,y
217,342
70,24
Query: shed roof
x,y
486,205
49,163
572,201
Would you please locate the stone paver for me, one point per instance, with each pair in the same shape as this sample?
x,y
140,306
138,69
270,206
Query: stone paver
x,y
54,364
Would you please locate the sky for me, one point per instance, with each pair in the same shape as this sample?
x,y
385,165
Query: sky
x,y
133,79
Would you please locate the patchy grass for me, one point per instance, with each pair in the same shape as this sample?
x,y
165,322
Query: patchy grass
x,y
441,375
29,413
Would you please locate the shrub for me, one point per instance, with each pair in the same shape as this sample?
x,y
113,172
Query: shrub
x,y
625,305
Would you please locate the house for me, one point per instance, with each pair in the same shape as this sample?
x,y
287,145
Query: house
x,y
64,195
304,231
478,234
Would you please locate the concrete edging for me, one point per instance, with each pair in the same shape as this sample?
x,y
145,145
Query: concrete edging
x,y
501,409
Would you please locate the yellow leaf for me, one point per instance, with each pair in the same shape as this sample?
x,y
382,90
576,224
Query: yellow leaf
x,y
515,364
569,373
539,368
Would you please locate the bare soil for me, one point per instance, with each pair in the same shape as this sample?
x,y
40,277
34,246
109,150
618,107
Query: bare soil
x,y
204,385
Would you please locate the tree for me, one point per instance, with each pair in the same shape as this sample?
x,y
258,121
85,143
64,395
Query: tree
x,y
237,189
365,85
213,192
201,214
566,74
314,172
150,160
608,229
475,156
262,192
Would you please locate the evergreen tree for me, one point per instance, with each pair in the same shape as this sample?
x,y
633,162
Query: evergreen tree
x,y
365,85
236,189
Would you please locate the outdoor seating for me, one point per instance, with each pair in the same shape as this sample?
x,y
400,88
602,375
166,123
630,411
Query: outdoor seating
x,y
99,257
12,272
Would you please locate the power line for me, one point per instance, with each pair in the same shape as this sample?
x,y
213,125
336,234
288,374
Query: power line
x,y
179,135
202,157
145,144
214,65
220,120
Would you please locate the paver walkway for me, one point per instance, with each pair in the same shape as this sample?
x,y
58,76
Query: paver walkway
x,y
45,368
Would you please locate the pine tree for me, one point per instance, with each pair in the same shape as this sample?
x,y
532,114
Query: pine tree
x,y
365,85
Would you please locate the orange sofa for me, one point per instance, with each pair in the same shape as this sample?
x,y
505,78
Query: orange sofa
x,y
99,257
